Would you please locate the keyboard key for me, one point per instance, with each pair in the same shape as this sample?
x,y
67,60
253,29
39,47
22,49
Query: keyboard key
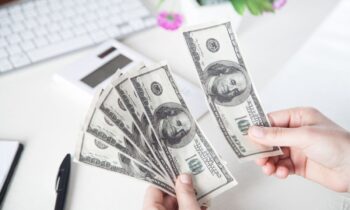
x,y
5,21
5,65
99,36
91,26
102,13
30,13
28,6
13,39
44,20
18,17
27,35
30,23
43,9
3,13
41,41
137,24
54,38
27,45
89,17
3,53
5,30
81,10
68,13
116,20
113,31
56,17
66,24
130,5
3,42
17,27
125,29
41,31
79,30
59,48
67,34
55,6
19,60
78,21
13,49
15,10
92,7
103,23
54,27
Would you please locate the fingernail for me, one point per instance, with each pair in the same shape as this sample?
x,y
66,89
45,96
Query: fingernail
x,y
257,131
186,179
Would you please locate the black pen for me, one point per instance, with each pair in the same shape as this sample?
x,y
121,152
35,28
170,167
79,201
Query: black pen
x,y
62,182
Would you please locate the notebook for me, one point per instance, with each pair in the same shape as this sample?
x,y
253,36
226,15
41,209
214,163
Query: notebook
x,y
10,152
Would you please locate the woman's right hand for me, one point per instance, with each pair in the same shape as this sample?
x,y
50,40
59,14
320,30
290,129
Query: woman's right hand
x,y
314,147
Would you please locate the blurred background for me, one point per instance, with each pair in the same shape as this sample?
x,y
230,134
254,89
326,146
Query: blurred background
x,y
296,51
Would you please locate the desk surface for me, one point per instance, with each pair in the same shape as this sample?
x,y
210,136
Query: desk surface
x,y
47,119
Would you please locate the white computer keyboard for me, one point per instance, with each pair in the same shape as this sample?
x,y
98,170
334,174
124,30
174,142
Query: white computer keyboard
x,y
32,31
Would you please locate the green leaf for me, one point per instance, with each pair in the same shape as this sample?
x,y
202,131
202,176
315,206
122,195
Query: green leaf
x,y
266,6
253,7
239,6
257,7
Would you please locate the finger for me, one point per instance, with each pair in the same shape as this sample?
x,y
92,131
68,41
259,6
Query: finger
x,y
170,203
185,193
153,197
295,117
285,163
269,168
261,161
282,172
277,136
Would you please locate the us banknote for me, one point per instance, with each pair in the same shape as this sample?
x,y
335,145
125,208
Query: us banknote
x,y
228,87
95,152
176,131
100,126
113,107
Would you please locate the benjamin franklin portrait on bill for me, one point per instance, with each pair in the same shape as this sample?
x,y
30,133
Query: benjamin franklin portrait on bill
x,y
174,125
227,83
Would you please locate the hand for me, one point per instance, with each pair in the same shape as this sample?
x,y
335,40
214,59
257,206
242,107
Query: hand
x,y
314,147
185,197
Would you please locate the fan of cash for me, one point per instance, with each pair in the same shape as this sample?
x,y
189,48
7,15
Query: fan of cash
x,y
140,126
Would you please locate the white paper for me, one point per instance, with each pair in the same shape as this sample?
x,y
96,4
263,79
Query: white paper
x,y
8,150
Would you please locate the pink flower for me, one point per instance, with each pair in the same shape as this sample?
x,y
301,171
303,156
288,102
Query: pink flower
x,y
169,21
278,4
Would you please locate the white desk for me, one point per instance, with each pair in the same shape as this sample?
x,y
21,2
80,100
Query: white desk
x,y
47,119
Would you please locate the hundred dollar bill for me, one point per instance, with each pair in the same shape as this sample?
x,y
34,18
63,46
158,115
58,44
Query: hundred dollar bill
x,y
112,106
131,101
95,152
178,134
103,128
228,87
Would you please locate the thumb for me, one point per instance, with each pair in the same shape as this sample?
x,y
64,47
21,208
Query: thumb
x,y
277,136
185,193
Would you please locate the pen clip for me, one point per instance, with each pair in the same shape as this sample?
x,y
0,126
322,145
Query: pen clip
x,y
58,178
63,172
